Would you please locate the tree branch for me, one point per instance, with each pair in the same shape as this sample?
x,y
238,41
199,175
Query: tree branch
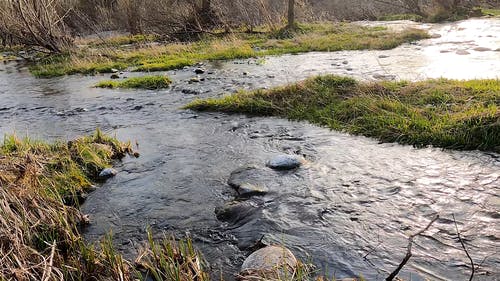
x,y
408,252
465,249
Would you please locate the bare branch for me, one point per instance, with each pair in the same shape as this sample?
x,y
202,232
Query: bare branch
x,y
408,252
465,249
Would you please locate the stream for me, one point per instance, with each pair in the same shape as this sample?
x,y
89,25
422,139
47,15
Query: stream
x,y
349,210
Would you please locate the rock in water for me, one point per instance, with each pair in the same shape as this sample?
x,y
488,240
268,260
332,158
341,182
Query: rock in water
x,y
248,190
199,70
251,181
107,173
272,262
114,76
285,162
237,212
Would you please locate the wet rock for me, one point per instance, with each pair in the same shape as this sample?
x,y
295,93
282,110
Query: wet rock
x,y
482,49
462,52
383,56
250,181
138,107
271,262
199,70
81,109
248,190
194,80
190,92
345,62
236,125
285,162
245,73
114,76
236,211
349,69
384,77
107,173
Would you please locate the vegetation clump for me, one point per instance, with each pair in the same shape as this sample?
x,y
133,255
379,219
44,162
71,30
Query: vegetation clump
x,y
144,82
223,46
41,186
444,113
395,17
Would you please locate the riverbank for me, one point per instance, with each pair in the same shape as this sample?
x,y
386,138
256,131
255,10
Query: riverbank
x,y
443,113
146,54
41,188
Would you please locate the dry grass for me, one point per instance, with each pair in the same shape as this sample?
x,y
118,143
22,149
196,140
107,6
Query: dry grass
x,y
41,186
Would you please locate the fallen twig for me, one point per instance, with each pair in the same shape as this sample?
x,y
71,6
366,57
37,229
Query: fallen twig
x,y
465,249
408,252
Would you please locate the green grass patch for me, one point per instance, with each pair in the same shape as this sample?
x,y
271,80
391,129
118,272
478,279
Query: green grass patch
x,y
492,12
395,17
444,113
144,82
88,59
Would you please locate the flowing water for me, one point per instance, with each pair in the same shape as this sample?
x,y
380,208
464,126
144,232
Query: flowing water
x,y
349,210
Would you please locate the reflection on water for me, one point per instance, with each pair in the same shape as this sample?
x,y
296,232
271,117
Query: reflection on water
x,y
349,210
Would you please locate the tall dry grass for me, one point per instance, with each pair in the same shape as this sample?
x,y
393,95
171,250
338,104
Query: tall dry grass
x,y
41,187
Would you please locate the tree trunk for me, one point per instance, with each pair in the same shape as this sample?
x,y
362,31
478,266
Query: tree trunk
x,y
291,14
206,13
205,6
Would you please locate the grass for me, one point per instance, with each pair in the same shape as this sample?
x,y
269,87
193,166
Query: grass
x,y
120,40
492,12
443,113
92,58
144,82
442,15
41,187
395,17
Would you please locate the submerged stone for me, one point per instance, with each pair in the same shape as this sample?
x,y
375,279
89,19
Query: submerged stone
x,y
285,162
271,262
107,173
250,181
482,49
236,211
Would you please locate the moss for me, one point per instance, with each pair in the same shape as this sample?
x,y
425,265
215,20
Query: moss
x,y
144,82
222,46
444,113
